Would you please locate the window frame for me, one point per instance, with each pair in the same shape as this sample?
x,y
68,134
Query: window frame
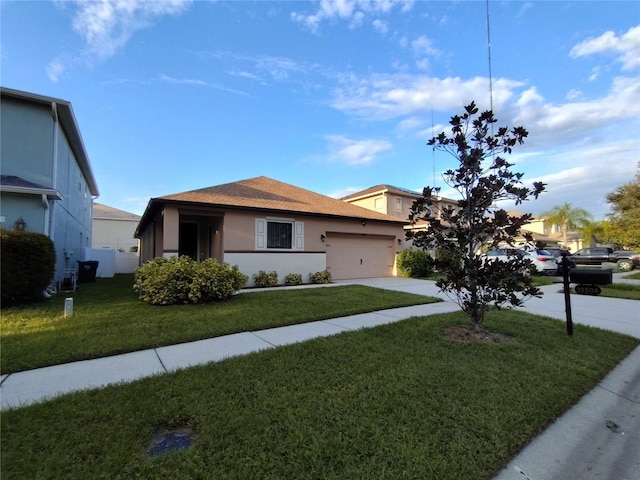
x,y
262,234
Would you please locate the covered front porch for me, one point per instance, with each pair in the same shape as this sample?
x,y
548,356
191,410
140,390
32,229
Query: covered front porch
x,y
196,233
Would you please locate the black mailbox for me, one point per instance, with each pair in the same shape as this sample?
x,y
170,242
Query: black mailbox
x,y
591,277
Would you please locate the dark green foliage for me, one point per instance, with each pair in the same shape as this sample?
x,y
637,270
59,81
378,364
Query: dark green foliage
x,y
28,266
414,263
175,280
482,179
293,279
320,277
265,279
625,214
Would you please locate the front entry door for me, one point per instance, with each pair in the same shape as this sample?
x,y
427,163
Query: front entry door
x,y
188,241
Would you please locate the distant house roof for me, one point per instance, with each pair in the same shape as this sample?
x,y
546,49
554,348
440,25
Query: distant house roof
x,y
67,119
377,189
265,194
13,184
105,212
380,189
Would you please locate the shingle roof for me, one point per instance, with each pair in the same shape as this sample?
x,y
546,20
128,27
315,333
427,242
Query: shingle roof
x,y
105,212
389,189
13,181
267,194
264,194
380,188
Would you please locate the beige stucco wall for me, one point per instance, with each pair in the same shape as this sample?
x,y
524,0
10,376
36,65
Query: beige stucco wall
x,y
115,234
239,229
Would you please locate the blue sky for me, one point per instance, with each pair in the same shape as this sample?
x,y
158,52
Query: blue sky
x,y
332,96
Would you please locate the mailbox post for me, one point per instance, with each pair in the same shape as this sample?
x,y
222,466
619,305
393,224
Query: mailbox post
x,y
567,294
587,280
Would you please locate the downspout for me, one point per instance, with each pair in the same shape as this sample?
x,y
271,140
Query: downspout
x,y
54,175
47,218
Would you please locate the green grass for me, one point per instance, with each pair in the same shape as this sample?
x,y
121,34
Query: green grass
x,y
621,290
109,319
633,276
396,401
538,280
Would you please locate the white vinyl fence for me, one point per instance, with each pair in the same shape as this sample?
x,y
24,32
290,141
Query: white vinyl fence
x,y
111,262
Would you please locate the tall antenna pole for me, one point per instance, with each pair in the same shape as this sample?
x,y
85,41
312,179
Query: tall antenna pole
x,y
433,151
489,55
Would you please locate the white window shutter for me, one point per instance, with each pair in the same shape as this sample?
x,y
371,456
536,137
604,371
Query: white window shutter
x,y
261,234
299,235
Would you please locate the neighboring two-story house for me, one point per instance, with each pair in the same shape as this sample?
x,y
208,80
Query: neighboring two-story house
x,y
46,182
395,201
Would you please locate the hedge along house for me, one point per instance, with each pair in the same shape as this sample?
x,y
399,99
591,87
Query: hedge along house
x,y
263,224
46,183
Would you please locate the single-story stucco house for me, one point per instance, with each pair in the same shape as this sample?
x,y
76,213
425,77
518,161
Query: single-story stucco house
x,y
263,224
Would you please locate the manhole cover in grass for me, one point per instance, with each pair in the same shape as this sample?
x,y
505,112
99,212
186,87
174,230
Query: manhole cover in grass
x,y
179,439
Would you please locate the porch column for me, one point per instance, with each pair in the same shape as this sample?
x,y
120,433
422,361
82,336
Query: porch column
x,y
171,231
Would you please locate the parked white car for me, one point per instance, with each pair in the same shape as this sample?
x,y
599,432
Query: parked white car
x,y
543,261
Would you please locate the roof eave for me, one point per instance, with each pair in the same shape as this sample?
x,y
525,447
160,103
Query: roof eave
x,y
155,204
50,193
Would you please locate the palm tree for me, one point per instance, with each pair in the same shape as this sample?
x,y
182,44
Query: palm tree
x,y
594,230
568,217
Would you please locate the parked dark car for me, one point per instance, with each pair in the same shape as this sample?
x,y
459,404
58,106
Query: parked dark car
x,y
626,259
594,256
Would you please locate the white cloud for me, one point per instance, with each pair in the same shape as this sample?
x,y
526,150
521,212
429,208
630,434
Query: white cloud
x,y
200,83
385,96
183,81
345,192
581,176
352,11
626,47
423,46
108,25
56,69
354,152
380,26
576,119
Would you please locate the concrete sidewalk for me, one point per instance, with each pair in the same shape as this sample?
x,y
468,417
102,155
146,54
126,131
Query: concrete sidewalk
x,y
31,386
598,438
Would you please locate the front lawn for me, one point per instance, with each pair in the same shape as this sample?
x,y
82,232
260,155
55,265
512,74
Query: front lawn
x,y
109,319
621,290
396,401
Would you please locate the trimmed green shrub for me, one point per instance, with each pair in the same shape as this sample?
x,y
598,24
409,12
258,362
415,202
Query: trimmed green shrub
x,y
293,279
414,263
28,263
174,280
265,279
320,277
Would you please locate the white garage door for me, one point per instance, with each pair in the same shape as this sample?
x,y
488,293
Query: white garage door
x,y
359,256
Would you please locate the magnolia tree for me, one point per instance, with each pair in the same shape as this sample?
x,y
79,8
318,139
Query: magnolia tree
x,y
461,233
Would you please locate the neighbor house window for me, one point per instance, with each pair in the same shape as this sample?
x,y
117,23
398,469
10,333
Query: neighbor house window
x,y
378,204
398,204
279,234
